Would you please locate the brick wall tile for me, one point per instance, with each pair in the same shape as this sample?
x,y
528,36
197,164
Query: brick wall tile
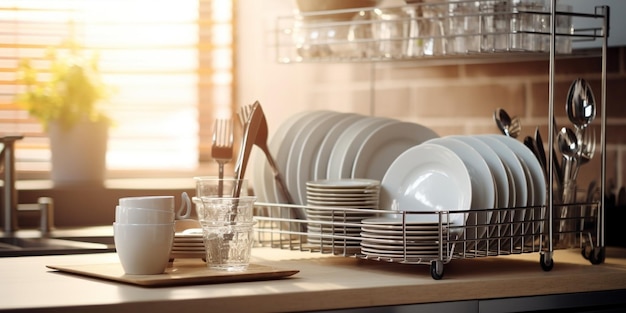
x,y
469,100
409,71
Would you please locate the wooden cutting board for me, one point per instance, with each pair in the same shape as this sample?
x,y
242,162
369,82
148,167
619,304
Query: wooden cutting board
x,y
183,272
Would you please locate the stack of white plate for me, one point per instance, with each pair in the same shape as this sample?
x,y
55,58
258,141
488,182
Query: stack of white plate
x,y
469,173
390,239
188,245
319,145
332,223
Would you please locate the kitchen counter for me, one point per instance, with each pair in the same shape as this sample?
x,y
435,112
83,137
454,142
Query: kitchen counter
x,y
326,282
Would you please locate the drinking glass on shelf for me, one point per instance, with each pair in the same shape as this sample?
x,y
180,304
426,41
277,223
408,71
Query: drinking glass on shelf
x,y
526,25
564,28
463,26
435,27
390,30
494,25
360,35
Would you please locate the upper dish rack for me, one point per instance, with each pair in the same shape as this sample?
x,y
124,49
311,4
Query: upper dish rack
x,y
483,29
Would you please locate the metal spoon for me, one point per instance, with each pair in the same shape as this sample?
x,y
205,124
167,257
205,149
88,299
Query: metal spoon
x,y
580,104
505,123
569,147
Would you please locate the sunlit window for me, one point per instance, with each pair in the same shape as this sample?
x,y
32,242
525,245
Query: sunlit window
x,y
168,62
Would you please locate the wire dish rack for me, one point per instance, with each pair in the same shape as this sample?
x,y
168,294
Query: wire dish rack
x,y
432,30
487,232
435,31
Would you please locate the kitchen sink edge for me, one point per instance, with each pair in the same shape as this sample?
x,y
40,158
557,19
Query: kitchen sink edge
x,y
63,241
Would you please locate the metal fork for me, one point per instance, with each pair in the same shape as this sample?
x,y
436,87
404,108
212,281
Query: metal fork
x,y
222,148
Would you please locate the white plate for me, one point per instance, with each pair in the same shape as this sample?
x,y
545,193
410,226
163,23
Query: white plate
x,y
399,229
322,158
335,219
495,166
292,164
483,187
305,146
518,175
510,160
430,178
411,220
329,230
393,248
342,211
421,239
263,177
538,179
343,198
344,183
347,145
537,176
369,204
384,144
285,150
424,253
499,173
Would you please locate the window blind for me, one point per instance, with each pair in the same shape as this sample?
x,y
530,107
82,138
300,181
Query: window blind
x,y
169,64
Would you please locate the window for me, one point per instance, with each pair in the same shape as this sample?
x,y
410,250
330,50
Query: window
x,y
169,63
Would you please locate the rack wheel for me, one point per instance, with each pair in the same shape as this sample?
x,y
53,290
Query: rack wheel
x,y
436,270
546,262
597,255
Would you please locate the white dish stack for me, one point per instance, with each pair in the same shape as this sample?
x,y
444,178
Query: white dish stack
x,y
188,239
391,239
332,223
188,244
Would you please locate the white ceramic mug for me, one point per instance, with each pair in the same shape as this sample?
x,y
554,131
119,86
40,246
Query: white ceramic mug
x,y
165,203
143,249
126,215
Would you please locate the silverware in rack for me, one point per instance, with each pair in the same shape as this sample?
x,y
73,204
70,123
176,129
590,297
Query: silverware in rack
x,y
256,133
222,147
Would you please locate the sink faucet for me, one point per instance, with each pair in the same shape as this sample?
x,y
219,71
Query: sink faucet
x,y
9,199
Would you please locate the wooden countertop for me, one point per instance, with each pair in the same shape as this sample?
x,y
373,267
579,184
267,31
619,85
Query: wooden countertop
x,y
324,282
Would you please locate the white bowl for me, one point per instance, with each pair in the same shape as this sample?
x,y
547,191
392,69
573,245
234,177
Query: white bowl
x,y
143,249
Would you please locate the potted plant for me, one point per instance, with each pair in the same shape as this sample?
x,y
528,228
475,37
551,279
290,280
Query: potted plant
x,y
65,100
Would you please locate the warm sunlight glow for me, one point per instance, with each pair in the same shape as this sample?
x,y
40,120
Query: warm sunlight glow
x,y
133,56
154,54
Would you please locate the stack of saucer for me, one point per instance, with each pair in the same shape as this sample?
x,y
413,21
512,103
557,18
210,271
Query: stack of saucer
x,y
188,240
332,223
391,238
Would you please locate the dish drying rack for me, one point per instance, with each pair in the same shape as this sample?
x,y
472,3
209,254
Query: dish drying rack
x,y
547,228
487,232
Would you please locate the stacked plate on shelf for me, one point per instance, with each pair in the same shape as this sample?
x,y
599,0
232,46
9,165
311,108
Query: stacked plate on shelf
x,y
331,211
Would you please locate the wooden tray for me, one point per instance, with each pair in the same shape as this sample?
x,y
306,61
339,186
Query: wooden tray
x,y
183,272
